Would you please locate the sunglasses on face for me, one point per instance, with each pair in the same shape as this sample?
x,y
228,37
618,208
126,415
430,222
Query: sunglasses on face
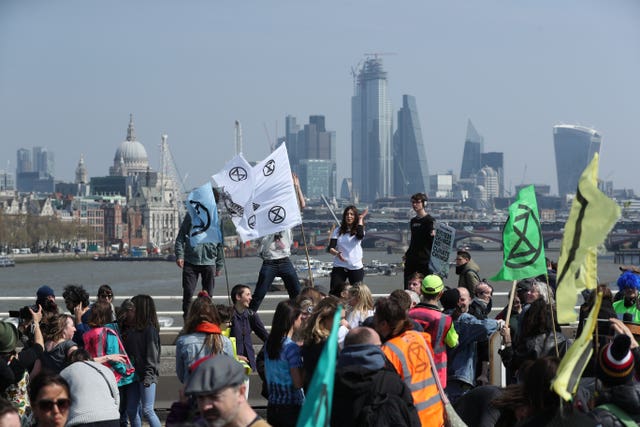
x,y
46,405
106,295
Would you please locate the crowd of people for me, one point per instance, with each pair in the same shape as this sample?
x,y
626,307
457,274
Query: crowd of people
x,y
401,358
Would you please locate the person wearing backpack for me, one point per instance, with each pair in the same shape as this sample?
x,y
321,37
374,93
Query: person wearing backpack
x,y
438,324
367,392
407,350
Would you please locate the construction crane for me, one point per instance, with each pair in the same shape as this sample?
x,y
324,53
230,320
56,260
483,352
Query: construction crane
x,y
369,55
238,132
377,54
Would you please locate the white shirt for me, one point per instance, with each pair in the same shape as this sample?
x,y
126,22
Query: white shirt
x,y
351,249
272,249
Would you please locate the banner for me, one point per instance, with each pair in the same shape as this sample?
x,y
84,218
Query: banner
x,y
202,208
235,185
591,218
316,410
261,199
275,205
441,249
522,240
576,358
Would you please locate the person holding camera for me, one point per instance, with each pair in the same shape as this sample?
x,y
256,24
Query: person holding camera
x,y
15,367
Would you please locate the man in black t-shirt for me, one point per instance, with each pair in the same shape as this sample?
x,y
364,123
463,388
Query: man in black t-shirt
x,y
417,257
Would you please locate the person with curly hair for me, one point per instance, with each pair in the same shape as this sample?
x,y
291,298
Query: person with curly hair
x,y
346,247
76,299
629,284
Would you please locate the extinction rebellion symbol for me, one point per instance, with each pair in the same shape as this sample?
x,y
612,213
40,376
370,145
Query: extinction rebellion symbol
x,y
277,214
526,250
251,222
238,174
269,168
202,220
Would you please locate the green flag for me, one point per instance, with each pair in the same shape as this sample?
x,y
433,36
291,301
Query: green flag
x,y
316,410
522,240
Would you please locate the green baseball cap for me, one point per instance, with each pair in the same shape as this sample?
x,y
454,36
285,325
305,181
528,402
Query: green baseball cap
x,y
432,285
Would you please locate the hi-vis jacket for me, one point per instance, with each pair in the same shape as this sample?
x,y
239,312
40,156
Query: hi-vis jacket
x,y
408,354
440,327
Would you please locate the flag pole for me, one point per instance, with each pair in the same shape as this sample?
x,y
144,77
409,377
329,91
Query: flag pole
x,y
301,205
511,298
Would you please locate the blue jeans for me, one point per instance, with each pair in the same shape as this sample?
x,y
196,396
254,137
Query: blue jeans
x,y
139,396
270,269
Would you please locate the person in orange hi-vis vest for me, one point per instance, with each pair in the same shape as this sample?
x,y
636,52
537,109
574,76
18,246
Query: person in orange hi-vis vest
x,y
407,351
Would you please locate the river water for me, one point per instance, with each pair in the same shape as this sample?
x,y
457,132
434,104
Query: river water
x,y
164,278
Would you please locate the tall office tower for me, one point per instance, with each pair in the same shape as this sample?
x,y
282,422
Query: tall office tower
x,y
495,161
23,163
574,148
291,138
472,156
315,157
410,168
487,178
7,181
371,133
43,161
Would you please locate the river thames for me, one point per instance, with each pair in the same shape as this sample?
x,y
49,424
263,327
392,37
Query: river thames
x,y
164,278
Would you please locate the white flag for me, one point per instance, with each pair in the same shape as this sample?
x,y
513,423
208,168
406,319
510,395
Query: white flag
x,y
274,204
235,182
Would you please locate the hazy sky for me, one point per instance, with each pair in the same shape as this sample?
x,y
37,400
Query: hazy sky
x,y
71,72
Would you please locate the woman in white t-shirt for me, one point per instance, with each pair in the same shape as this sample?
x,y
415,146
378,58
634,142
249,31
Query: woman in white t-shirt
x,y
345,246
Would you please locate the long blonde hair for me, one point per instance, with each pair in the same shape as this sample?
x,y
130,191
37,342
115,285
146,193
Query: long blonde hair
x,y
315,331
364,297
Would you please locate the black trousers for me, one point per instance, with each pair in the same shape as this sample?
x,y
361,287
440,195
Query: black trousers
x,y
190,273
340,275
283,415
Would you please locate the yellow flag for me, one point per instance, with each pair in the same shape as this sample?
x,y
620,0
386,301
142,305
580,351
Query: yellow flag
x,y
576,358
591,218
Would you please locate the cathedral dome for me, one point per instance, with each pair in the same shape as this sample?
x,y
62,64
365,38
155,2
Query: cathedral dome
x,y
131,157
131,152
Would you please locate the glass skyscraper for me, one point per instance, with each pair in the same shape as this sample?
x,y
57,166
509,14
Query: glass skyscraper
x,y
410,168
574,147
312,155
371,133
472,155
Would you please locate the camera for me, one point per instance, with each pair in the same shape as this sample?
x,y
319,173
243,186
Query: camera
x,y
23,315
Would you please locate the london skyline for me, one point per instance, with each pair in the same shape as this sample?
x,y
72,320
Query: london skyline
x,y
73,71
